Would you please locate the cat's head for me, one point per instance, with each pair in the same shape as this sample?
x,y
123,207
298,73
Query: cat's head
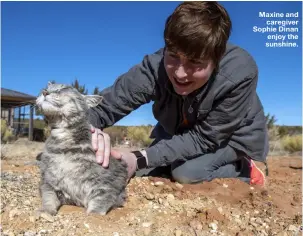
x,y
63,102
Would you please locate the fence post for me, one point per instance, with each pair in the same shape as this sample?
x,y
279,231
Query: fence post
x,y
31,123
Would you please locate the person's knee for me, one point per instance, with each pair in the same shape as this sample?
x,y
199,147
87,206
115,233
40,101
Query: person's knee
x,y
183,174
182,179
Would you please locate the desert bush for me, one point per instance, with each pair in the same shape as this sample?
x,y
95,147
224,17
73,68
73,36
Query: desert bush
x,y
6,134
116,133
292,143
3,127
275,146
139,135
289,130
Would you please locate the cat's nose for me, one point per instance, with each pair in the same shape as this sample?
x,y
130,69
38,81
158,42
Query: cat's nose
x,y
44,92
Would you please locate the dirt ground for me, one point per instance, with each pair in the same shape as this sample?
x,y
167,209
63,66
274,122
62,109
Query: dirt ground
x,y
157,206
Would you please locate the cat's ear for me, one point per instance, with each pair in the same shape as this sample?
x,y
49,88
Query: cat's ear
x,y
93,100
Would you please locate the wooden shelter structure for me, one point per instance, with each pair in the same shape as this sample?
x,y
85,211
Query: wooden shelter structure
x,y
10,100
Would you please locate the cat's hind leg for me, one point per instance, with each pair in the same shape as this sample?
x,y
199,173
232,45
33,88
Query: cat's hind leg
x,y
50,201
101,202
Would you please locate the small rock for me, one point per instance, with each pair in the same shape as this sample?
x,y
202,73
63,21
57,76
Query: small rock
x,y
213,226
179,186
259,221
170,197
220,209
160,200
116,234
178,232
47,217
267,220
149,196
159,183
43,231
27,203
238,221
87,225
146,224
32,219
225,185
292,228
29,233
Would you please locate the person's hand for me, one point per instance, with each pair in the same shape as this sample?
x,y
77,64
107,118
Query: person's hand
x,y
101,144
129,158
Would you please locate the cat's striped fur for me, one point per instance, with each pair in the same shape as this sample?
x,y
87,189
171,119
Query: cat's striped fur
x,y
69,172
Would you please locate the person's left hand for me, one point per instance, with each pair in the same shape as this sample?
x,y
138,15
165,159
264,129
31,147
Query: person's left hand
x,y
129,158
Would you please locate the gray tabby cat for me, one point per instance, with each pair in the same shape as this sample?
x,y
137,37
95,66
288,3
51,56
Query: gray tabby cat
x,y
70,174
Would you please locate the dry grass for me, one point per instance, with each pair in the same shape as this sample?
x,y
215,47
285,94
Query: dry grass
x,y
6,134
21,149
292,144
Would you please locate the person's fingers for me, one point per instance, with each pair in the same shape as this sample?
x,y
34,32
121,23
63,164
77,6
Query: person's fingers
x,y
100,151
107,148
95,140
92,129
115,154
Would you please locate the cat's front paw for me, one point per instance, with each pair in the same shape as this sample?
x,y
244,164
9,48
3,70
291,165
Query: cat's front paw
x,y
100,212
49,210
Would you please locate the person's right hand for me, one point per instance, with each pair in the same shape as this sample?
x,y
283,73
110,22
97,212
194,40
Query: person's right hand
x,y
101,145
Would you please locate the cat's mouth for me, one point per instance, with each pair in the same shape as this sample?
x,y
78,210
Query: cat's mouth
x,y
45,106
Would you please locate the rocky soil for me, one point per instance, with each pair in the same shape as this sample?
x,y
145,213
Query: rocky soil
x,y
157,206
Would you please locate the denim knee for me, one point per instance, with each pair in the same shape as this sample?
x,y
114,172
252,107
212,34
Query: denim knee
x,y
184,175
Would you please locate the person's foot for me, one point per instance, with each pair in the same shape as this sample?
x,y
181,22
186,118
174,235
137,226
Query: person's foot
x,y
257,177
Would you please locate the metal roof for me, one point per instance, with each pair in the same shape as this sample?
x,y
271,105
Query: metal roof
x,y
15,94
12,98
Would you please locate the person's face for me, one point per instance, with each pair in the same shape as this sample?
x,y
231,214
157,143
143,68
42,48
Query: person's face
x,y
186,75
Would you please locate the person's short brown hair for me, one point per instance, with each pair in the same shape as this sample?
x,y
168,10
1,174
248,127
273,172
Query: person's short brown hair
x,y
199,30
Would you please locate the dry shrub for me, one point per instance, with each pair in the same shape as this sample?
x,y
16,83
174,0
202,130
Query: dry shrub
x,y
6,133
116,133
275,147
139,135
292,143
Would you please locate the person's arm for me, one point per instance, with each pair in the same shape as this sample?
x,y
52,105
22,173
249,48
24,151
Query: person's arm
x,y
131,90
207,135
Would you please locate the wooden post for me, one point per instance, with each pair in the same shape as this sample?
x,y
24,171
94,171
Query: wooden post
x,y
11,117
19,121
31,123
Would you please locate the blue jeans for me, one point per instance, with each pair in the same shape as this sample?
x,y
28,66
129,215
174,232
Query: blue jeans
x,y
224,163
